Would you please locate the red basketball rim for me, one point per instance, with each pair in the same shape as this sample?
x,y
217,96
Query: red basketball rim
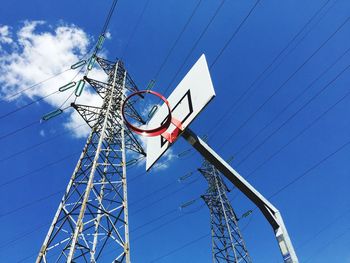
x,y
148,132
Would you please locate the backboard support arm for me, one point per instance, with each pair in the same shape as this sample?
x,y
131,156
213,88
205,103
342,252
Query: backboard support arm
x,y
270,212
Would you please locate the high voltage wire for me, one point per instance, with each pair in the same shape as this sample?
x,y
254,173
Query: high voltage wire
x,y
269,158
108,18
38,144
23,235
320,231
15,179
194,11
299,134
32,103
203,33
163,197
295,113
296,179
234,105
160,226
135,28
196,43
180,248
172,211
19,129
322,16
284,83
152,193
7,213
28,104
302,93
36,84
328,244
307,171
234,34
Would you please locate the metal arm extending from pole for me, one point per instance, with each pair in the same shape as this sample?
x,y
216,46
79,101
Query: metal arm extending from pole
x,y
270,212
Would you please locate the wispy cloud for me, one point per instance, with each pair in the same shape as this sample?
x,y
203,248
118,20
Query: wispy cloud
x,y
5,35
37,51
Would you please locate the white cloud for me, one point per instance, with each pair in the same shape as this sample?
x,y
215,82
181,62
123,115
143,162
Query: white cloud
x,y
42,133
108,35
165,161
37,52
5,36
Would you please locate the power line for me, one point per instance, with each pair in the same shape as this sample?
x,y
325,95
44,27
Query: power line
x,y
35,85
30,203
154,220
234,106
32,103
15,179
234,34
195,44
155,191
23,235
19,129
38,144
108,18
178,39
135,28
28,104
180,248
45,96
328,244
299,134
294,114
302,93
296,179
331,223
284,83
163,197
309,170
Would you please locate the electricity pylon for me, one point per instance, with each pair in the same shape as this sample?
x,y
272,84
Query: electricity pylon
x,y
93,214
227,242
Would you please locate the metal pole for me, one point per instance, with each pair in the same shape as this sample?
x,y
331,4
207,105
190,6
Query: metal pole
x,y
79,224
125,190
272,215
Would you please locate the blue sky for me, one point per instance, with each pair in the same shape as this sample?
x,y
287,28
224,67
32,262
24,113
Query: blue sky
x,y
300,159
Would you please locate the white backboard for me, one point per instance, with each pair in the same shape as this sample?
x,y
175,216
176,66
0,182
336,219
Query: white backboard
x,y
188,99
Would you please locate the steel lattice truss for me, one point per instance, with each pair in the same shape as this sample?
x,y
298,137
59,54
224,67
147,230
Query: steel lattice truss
x,y
92,217
227,242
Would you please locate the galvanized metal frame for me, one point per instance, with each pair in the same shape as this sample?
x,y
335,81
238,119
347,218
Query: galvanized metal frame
x,y
93,213
227,242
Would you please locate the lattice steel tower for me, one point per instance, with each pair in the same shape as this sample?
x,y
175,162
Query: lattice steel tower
x,y
227,242
92,217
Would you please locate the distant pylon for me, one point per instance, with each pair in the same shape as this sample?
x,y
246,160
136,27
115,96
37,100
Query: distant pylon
x,y
227,242
93,214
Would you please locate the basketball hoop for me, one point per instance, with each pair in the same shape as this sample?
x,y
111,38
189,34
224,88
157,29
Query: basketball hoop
x,y
162,129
